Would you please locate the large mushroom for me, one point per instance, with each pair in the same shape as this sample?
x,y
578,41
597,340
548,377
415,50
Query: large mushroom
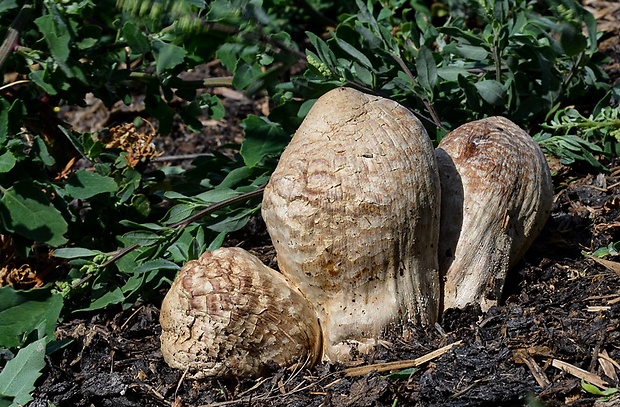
x,y
496,197
353,210
353,213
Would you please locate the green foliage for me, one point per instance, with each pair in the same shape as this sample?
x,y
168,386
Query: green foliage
x,y
124,226
594,390
573,137
19,375
513,61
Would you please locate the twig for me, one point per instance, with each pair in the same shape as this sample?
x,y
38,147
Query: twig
x,y
8,85
401,364
248,400
580,373
412,78
522,356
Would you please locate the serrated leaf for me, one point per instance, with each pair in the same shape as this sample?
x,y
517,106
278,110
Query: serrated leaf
x,y
22,312
18,377
167,56
262,138
26,210
136,40
85,184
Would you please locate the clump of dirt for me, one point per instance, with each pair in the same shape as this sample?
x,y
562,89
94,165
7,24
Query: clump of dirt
x,y
560,307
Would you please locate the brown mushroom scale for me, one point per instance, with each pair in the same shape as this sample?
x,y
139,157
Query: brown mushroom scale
x,y
353,210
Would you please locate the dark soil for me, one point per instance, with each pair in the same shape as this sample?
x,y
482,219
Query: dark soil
x,y
559,305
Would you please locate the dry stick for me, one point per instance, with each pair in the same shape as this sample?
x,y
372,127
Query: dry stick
x,y
522,355
401,364
580,373
608,365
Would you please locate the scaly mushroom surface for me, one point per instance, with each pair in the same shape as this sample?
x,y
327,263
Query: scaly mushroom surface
x,y
353,212
227,314
496,197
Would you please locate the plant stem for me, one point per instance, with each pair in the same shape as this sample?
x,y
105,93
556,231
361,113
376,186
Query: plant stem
x,y
412,78
180,225
9,43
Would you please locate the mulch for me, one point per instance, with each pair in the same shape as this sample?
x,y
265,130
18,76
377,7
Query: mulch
x,y
559,305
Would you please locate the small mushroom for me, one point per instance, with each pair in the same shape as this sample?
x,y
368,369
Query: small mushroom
x,y
227,314
496,197
353,212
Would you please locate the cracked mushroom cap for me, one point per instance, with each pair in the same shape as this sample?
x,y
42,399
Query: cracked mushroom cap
x,y
496,197
227,314
353,212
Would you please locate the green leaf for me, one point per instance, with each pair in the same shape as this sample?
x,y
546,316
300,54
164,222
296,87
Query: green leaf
x,y
22,312
572,40
472,52
75,252
137,41
403,374
26,210
592,389
142,237
58,39
113,297
7,161
234,221
262,138
86,184
354,52
40,149
18,377
41,78
491,91
167,56
157,264
7,5
4,119
427,68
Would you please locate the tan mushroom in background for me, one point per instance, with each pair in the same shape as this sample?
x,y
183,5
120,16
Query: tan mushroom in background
x,y
496,197
227,314
353,212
